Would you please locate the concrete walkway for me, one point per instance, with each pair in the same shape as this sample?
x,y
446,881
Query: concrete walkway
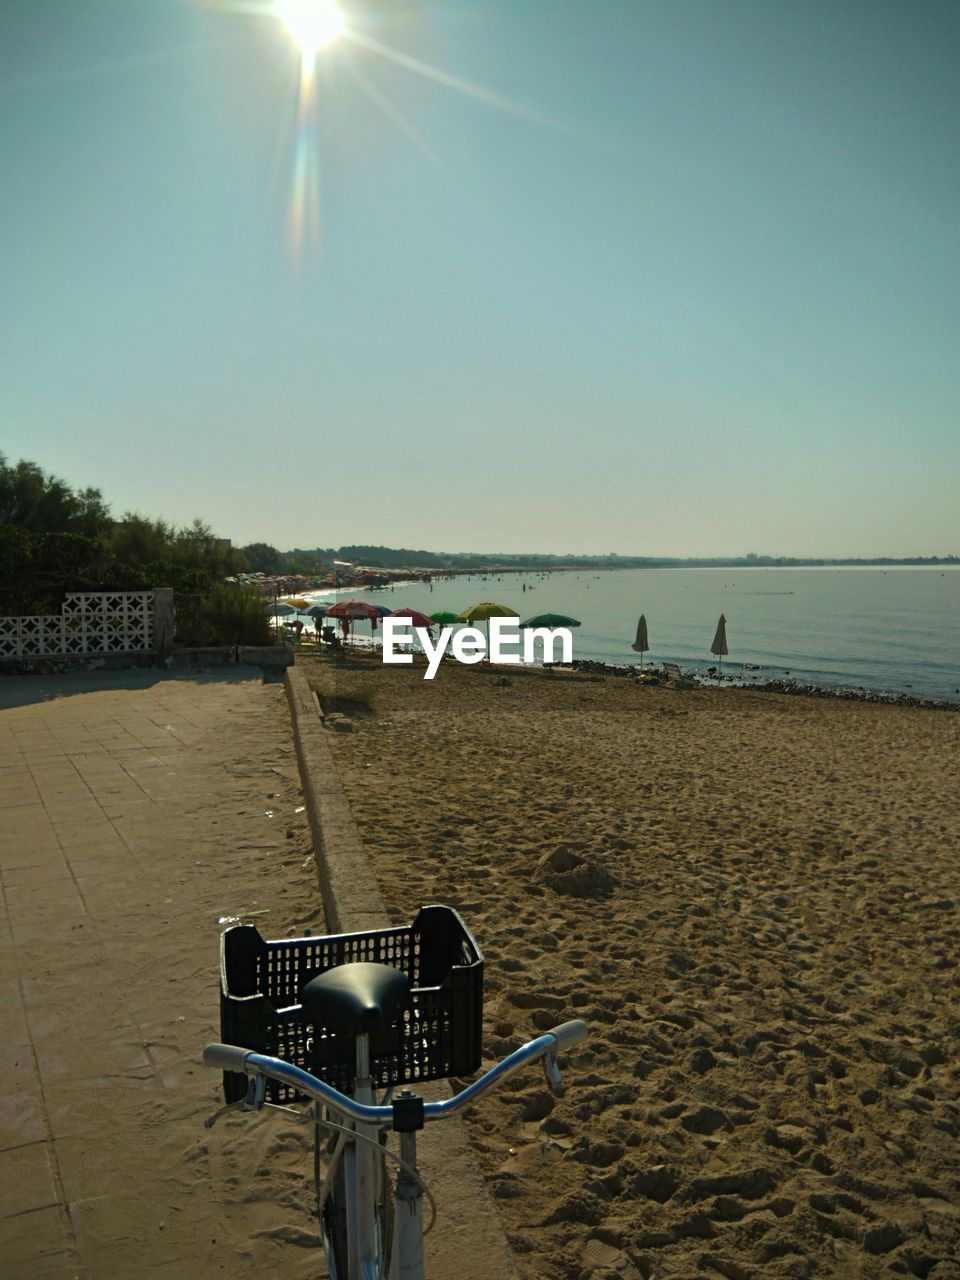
x,y
132,816
136,810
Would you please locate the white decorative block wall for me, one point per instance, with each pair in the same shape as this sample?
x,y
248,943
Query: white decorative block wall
x,y
90,624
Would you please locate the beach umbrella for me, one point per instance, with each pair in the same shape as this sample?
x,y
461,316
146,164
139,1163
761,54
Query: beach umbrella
x,y
444,616
719,646
352,609
641,644
316,611
550,620
347,610
484,612
278,611
297,603
413,616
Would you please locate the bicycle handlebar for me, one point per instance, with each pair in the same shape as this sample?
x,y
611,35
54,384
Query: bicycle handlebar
x,y
569,1033
227,1057
243,1061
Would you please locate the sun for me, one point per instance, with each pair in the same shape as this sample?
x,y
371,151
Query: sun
x,y
312,23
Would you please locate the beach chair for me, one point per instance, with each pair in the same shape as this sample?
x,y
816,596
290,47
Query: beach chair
x,y
675,677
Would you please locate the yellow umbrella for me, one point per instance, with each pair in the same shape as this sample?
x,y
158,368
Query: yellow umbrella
x,y
483,612
298,603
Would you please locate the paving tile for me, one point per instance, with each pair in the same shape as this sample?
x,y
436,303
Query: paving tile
x,y
18,1068
32,895
21,818
16,1030
36,927
26,1180
56,868
17,788
110,1052
38,1245
30,851
21,1118
85,1153
117,1239
77,1107
85,833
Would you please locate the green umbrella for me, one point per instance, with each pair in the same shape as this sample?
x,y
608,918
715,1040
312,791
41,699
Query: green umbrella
x,y
444,616
483,612
550,620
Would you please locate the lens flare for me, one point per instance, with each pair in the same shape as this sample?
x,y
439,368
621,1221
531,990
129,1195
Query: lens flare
x,y
312,23
304,218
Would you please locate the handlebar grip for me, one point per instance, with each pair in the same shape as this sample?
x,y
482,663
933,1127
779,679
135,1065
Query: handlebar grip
x,y
227,1057
569,1033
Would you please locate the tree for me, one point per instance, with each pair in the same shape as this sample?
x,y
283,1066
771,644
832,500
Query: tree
x,y
41,503
262,558
138,540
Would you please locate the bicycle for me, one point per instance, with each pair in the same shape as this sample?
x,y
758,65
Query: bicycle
x,y
374,1009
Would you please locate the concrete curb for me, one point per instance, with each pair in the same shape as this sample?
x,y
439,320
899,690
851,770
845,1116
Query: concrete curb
x,y
469,1240
351,895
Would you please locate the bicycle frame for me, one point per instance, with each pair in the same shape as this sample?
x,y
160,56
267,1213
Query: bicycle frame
x,y
361,1179
363,1160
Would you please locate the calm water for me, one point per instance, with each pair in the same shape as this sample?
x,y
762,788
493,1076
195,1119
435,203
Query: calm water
x,y
893,629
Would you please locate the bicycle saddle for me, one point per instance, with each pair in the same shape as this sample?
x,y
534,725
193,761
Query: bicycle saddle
x,y
356,998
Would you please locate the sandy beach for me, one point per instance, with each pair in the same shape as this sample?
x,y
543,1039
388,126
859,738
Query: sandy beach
x,y
751,899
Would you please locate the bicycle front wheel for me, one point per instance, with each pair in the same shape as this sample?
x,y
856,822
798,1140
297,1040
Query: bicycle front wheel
x,y
336,1215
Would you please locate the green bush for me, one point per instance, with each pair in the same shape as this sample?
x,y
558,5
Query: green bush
x,y
225,614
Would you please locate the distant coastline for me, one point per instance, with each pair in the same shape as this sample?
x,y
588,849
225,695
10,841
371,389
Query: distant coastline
x,y
505,562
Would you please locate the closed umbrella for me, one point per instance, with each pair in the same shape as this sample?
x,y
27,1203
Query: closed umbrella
x,y
641,644
719,646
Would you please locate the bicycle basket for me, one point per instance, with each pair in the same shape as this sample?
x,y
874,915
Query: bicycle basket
x,y
438,1036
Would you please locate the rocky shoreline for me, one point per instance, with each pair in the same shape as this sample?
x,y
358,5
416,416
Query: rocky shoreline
x,y
655,676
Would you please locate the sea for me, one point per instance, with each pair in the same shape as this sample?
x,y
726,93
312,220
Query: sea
x,y
893,629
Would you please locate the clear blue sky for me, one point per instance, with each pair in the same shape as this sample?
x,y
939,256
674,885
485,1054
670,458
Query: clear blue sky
x,y
693,288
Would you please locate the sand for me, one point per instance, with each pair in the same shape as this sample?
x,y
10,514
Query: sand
x,y
752,900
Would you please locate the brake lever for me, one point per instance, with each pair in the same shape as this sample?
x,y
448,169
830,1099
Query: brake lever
x,y
552,1071
252,1101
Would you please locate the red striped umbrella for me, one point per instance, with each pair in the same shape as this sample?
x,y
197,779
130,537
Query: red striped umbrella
x,y
414,617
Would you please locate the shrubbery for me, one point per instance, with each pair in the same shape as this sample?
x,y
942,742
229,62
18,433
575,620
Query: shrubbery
x,y
54,541
223,614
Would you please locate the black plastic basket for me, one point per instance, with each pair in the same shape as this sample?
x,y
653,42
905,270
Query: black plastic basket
x,y
438,1036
